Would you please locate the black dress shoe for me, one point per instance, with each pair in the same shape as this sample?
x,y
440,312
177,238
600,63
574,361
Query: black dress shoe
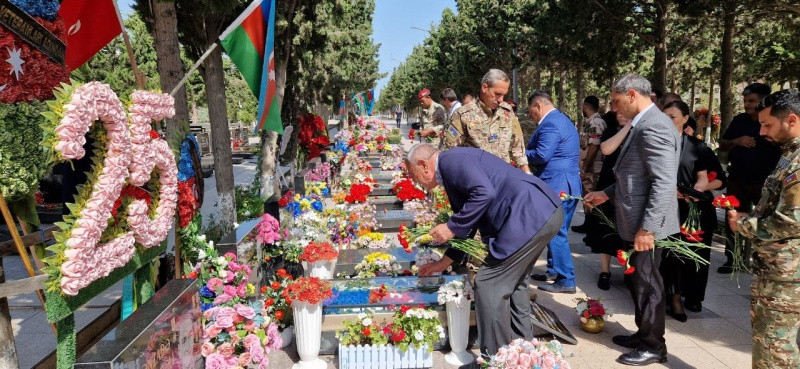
x,y
678,317
726,268
627,341
579,228
693,305
604,282
641,357
544,277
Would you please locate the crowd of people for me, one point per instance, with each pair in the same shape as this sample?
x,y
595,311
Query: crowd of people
x,y
641,165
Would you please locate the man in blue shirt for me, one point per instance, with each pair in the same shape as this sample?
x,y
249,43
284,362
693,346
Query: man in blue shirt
x,y
554,152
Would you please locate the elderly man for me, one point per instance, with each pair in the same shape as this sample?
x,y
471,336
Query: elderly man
x,y
774,228
489,123
554,151
433,115
517,215
646,199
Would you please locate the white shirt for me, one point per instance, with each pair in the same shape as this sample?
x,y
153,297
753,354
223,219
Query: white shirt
x,y
638,117
545,115
456,105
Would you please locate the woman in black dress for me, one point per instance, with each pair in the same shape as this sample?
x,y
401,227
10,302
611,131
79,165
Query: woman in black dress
x,y
601,237
699,172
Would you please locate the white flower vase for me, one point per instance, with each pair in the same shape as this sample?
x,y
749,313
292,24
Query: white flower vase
x,y
308,333
458,331
287,335
320,269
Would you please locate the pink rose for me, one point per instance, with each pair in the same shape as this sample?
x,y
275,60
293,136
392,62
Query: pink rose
x,y
216,361
212,331
207,349
525,360
275,339
258,353
512,359
213,283
224,321
245,311
250,326
251,340
245,359
242,290
221,299
549,361
230,290
229,277
264,364
225,349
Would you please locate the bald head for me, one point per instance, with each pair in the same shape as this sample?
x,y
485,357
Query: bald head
x,y
421,165
419,152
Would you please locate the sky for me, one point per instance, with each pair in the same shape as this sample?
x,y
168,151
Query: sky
x,y
391,27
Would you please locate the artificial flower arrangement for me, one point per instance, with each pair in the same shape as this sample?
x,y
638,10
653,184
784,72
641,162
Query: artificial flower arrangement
x,y
317,189
531,354
89,247
417,236
224,281
239,336
455,291
307,289
269,230
679,247
358,193
592,314
303,204
319,251
319,174
372,240
406,190
275,305
413,327
313,135
378,263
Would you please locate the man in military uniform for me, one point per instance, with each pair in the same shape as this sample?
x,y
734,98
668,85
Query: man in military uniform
x,y
774,228
432,118
489,123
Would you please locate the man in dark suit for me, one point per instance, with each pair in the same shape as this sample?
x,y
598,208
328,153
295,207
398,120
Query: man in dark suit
x,y
517,215
553,153
646,200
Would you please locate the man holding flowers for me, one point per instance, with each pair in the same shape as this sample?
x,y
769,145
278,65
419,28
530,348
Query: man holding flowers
x,y
517,215
774,228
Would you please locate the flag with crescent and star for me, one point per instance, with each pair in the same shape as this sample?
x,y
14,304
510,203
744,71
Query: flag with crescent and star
x,y
249,41
91,25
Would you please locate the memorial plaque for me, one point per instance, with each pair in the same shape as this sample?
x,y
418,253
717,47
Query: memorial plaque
x,y
165,332
545,319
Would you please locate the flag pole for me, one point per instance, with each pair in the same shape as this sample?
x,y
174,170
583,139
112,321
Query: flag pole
x,y
140,79
250,8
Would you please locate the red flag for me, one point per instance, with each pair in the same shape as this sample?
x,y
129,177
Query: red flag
x,y
91,25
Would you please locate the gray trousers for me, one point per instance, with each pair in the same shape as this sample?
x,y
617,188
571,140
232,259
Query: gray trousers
x,y
502,300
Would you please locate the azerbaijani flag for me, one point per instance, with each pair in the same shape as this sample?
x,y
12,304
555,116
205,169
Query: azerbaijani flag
x,y
249,42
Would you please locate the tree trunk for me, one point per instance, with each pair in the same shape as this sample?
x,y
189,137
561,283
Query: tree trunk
x,y
579,98
710,93
8,352
220,135
551,84
537,79
691,98
170,65
660,60
726,72
561,90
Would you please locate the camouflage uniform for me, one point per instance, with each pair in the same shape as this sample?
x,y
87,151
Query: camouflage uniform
x,y
474,125
774,228
434,118
592,130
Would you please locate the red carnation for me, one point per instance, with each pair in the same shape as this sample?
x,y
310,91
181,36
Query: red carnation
x,y
366,331
712,176
630,270
154,135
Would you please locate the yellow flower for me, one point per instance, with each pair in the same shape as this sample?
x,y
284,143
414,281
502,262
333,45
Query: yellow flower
x,y
251,289
305,204
376,236
297,197
425,238
377,255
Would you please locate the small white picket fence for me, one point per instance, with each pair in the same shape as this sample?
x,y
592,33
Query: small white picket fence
x,y
383,357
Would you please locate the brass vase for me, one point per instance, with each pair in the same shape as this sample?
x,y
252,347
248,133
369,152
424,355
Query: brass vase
x,y
593,325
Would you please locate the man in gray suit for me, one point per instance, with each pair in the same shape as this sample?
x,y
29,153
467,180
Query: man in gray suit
x,y
645,197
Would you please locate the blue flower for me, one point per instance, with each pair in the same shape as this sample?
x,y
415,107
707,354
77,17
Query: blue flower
x,y
317,205
326,192
47,9
204,306
207,293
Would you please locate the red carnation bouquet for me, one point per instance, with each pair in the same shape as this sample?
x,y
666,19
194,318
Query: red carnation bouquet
x,y
358,193
589,308
308,289
275,305
712,176
313,135
319,251
407,191
738,262
623,258
690,229
412,134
